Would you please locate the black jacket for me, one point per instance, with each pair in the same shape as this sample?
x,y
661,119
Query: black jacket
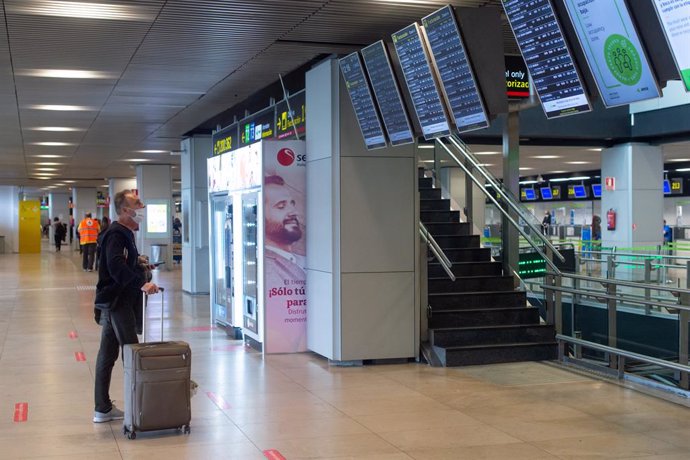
x,y
119,273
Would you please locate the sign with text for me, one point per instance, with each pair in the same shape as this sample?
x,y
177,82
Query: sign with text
x,y
675,20
224,140
517,78
610,184
291,116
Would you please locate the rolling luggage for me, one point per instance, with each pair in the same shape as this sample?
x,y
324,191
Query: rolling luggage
x,y
157,384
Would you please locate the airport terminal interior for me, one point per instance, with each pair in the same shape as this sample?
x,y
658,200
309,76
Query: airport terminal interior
x,y
384,229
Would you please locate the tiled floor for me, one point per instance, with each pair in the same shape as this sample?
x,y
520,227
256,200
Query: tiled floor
x,y
297,404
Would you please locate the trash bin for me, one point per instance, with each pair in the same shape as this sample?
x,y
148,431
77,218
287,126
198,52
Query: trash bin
x,y
159,253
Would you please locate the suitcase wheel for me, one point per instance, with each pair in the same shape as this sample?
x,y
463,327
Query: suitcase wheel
x,y
187,429
131,435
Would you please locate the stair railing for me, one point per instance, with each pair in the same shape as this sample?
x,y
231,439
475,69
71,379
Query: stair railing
x,y
437,251
506,198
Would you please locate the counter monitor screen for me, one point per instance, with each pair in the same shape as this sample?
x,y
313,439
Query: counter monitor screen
x,y
579,191
387,94
613,50
453,66
596,190
546,193
530,194
675,20
667,187
550,63
362,101
420,82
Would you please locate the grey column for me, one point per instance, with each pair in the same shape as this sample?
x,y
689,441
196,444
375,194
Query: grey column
x,y
83,201
154,183
118,184
511,181
195,235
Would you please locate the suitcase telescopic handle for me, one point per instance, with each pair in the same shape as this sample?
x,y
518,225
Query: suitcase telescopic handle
x,y
143,313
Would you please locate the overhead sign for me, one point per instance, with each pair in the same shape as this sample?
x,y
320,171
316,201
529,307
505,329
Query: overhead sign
x,y
517,78
540,38
457,77
613,50
420,82
677,186
387,94
675,20
224,140
362,101
258,126
294,118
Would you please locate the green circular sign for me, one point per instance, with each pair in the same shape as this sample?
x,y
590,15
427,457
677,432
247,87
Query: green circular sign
x,y
623,59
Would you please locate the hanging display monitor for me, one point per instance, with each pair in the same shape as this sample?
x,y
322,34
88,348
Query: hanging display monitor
x,y
667,187
550,63
675,20
579,191
546,193
387,94
613,51
530,194
452,63
420,82
596,190
363,103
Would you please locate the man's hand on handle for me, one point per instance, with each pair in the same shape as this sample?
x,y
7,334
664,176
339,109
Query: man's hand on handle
x,y
151,288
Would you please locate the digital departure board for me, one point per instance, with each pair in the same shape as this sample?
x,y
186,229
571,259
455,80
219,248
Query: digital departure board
x,y
358,89
540,38
613,51
453,66
675,20
420,82
387,93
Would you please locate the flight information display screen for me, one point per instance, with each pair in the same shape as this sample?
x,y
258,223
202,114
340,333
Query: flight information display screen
x,y
613,50
675,20
363,103
457,78
540,38
420,82
387,94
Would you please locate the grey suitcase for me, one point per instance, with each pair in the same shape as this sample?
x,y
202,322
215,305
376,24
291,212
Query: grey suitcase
x,y
157,384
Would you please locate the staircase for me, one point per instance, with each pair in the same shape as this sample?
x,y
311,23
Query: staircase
x,y
479,318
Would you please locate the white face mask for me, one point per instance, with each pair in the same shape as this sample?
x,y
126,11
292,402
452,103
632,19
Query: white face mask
x,y
139,215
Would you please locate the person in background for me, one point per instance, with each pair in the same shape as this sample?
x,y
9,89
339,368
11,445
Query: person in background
x,y
546,223
596,233
89,228
105,223
58,233
668,234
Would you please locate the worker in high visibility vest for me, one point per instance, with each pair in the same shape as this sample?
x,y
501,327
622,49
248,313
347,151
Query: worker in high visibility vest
x,y
88,237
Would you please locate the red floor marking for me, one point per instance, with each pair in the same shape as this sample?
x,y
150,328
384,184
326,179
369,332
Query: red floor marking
x,y
272,454
199,329
73,335
21,412
80,355
218,400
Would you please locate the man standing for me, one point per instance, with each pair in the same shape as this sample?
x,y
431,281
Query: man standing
x,y
88,236
121,279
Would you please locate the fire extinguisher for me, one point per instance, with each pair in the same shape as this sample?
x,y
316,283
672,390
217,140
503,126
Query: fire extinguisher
x,y
611,220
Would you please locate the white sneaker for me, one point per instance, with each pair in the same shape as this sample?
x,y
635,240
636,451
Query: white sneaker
x,y
112,414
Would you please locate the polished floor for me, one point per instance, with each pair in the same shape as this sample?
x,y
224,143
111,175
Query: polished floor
x,y
296,405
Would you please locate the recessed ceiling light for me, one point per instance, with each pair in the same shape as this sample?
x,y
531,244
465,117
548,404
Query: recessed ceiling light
x,y
53,144
85,10
69,181
524,168
557,172
152,151
45,169
426,146
578,162
48,163
45,174
136,160
486,164
679,159
683,170
49,156
546,157
595,150
42,178
487,153
55,129
66,73
62,108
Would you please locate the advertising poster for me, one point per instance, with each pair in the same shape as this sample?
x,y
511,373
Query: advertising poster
x,y
675,19
613,50
284,248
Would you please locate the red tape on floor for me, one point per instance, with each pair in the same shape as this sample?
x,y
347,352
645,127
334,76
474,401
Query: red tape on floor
x,y
272,454
21,412
80,356
218,400
73,334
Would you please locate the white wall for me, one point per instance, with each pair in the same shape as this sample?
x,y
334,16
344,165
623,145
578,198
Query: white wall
x,y
9,225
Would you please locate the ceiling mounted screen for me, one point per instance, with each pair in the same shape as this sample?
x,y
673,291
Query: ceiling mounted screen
x,y
547,56
675,20
420,82
360,95
613,51
387,94
453,66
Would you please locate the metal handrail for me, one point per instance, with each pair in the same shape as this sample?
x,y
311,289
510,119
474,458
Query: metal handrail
x,y
526,215
437,251
626,354
482,187
625,283
632,254
603,295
